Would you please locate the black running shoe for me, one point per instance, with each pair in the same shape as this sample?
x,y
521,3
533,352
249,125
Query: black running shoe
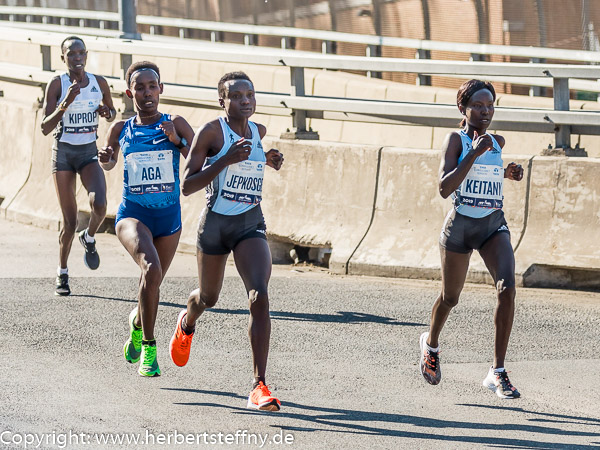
x,y
499,383
62,285
91,257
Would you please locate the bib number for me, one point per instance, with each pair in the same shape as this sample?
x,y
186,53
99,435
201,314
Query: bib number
x,y
243,182
482,187
150,172
81,117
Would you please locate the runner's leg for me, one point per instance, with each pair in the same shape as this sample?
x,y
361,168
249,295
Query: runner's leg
x,y
253,262
64,182
454,273
92,178
498,255
137,240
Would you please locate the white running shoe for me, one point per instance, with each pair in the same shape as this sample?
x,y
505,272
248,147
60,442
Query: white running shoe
x,y
499,383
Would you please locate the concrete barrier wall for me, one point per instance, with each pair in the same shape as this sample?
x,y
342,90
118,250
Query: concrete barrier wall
x,y
409,213
17,129
36,203
559,247
323,196
377,208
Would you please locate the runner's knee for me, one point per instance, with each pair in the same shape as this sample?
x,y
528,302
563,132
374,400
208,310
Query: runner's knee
x,y
258,300
207,300
505,290
69,224
98,204
151,274
450,300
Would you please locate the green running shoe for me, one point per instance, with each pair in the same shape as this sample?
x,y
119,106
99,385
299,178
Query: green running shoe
x,y
133,347
149,365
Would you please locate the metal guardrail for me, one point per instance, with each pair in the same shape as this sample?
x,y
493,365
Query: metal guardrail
x,y
319,35
559,120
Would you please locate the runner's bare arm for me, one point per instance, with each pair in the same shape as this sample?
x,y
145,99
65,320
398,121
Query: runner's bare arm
x,y
108,155
106,108
274,156
209,137
181,129
52,114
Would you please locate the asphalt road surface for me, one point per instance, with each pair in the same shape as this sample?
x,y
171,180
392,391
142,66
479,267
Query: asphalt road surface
x,y
343,362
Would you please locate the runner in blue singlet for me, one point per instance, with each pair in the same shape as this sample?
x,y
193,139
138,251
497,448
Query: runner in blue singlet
x,y
472,173
227,158
148,221
73,105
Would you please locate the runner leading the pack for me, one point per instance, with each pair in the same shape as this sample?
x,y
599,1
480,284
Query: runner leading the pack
x,y
227,159
472,173
148,221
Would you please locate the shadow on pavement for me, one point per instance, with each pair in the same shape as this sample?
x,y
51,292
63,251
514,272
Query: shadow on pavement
x,y
580,420
127,300
356,422
340,317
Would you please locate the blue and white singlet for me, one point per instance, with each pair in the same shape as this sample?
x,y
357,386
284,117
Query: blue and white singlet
x,y
79,123
238,187
480,193
151,175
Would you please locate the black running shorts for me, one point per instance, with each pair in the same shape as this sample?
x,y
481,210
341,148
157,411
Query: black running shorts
x,y
463,234
218,234
71,157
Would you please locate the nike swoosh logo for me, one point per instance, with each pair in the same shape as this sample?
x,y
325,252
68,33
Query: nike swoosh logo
x,y
158,141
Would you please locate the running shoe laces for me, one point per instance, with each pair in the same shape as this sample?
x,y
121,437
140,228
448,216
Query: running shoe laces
x,y
261,398
499,383
62,285
149,366
431,360
133,347
503,380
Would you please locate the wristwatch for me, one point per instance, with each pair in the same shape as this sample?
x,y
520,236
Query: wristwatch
x,y
182,143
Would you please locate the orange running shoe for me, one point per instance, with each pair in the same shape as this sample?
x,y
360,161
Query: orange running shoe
x,y
261,398
180,345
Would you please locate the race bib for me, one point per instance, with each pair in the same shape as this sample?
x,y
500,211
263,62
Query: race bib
x,y
243,182
482,187
81,117
150,172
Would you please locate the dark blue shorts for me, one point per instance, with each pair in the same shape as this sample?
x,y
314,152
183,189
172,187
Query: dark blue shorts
x,y
160,221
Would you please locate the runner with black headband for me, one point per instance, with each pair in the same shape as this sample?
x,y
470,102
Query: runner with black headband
x,y
472,172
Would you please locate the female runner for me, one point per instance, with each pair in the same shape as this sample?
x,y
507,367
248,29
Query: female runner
x,y
471,171
148,222
227,159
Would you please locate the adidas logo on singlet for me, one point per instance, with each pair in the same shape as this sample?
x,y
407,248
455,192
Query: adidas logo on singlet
x,y
94,89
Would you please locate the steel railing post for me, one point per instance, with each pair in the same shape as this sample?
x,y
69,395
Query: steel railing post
x,y
561,103
128,110
298,115
127,19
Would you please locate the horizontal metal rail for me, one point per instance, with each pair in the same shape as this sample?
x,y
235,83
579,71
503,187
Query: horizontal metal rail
x,y
319,35
428,114
274,57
